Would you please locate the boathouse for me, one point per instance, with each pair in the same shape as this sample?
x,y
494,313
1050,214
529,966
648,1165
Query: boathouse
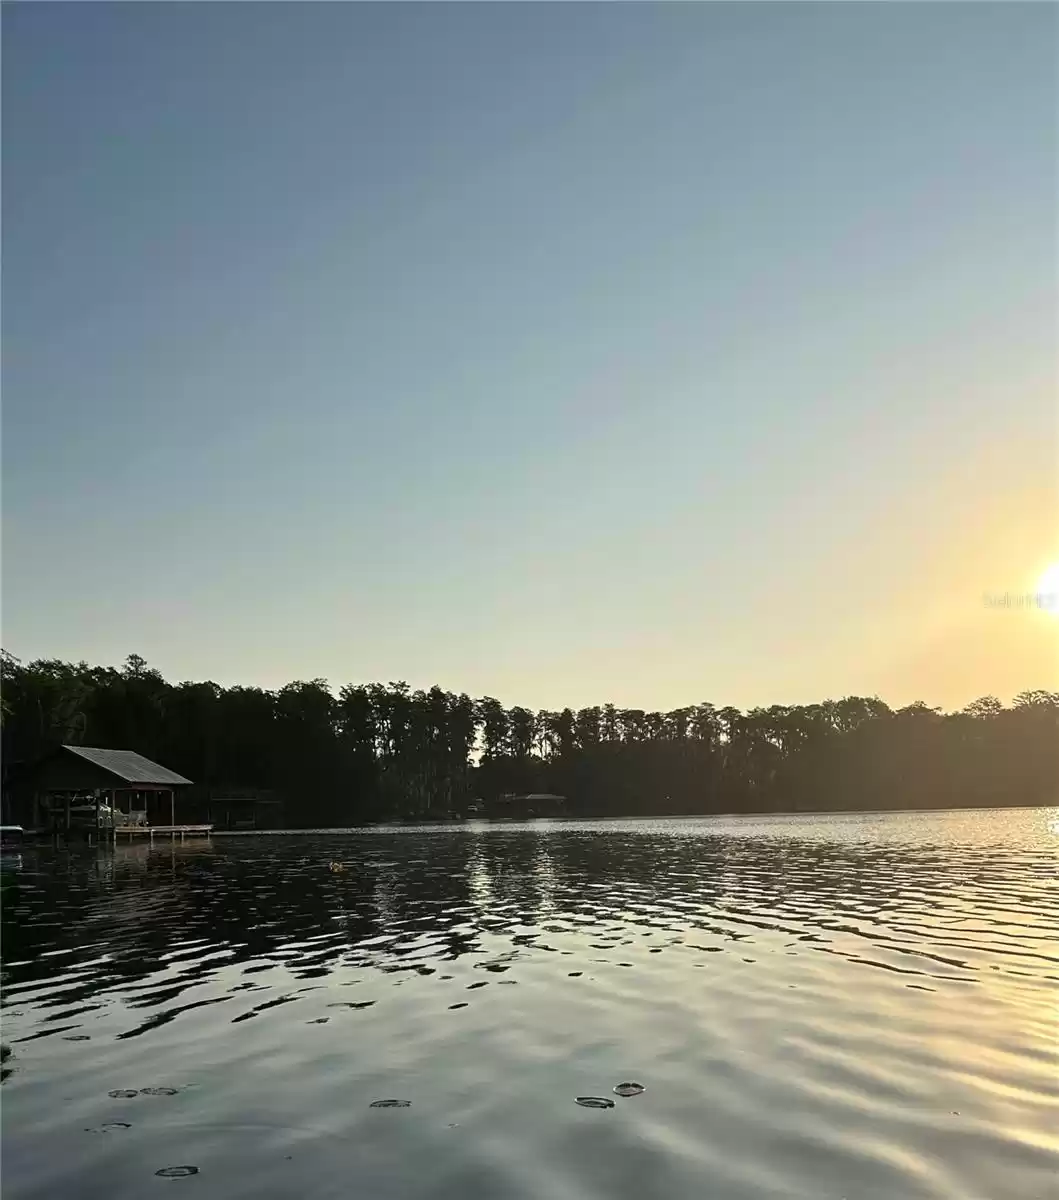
x,y
121,788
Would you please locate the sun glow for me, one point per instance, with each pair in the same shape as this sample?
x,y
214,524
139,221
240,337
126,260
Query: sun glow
x,y
1048,590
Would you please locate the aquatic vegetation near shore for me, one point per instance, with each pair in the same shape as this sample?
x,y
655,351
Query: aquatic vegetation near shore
x,y
629,1089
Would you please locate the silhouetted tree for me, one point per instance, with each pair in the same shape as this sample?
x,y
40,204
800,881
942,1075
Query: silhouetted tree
x,y
380,751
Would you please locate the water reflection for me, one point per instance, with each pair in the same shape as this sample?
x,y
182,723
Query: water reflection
x,y
755,963
154,923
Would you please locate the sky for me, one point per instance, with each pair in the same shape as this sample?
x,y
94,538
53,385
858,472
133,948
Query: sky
x,y
569,354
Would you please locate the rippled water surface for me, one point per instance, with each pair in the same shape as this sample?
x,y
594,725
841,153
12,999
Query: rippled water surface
x,y
850,1006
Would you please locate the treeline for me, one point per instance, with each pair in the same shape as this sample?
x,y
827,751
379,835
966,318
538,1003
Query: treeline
x,y
377,751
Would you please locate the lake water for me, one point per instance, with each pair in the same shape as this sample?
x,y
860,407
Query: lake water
x,y
859,1006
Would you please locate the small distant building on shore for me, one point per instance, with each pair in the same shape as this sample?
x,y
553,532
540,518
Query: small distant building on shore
x,y
74,777
533,804
234,809
542,798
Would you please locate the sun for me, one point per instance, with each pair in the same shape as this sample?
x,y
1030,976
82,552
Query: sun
x,y
1048,590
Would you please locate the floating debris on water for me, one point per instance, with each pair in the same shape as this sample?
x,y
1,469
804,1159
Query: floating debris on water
x,y
77,1037
462,1004
629,1089
318,1021
123,1094
594,1101
176,1172
158,1091
109,1127
390,1104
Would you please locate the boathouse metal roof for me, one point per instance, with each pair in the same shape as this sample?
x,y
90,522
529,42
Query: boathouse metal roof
x,y
128,765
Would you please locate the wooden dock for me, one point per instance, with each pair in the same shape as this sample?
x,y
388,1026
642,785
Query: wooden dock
x,y
171,831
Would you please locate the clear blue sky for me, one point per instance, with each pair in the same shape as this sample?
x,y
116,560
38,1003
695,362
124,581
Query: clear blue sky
x,y
567,353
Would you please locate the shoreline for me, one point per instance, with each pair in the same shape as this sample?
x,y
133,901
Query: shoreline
x,y
479,824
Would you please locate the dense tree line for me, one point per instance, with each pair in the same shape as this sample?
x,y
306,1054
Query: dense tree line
x,y
376,751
